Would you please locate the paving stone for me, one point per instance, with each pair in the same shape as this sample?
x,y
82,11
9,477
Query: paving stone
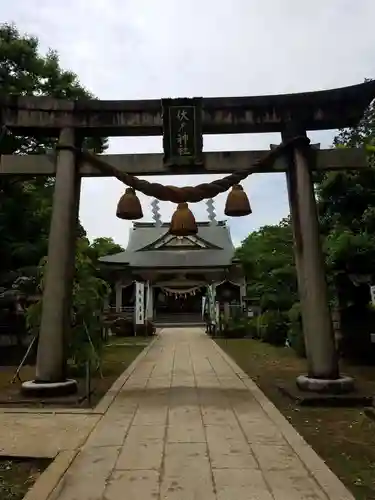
x,y
207,382
86,477
134,383
110,431
151,416
183,381
217,433
158,382
241,484
277,457
122,407
232,383
145,433
43,435
250,412
227,453
289,485
186,433
189,415
183,396
133,485
144,455
213,416
263,432
187,473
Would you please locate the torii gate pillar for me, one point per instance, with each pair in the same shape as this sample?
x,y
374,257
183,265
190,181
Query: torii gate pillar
x,y
55,322
323,368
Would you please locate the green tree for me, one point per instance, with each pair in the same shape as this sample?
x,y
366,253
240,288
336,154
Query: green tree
x,y
26,204
89,295
268,262
104,246
346,202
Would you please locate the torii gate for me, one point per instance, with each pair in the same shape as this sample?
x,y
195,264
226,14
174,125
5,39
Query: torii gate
x,y
292,115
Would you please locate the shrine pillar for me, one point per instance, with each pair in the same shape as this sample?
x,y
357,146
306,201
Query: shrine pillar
x,y
243,287
150,302
55,321
323,370
118,296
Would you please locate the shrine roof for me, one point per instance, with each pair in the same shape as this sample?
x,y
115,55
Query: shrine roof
x,y
152,246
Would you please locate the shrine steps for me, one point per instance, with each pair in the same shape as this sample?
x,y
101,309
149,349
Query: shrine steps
x,y
178,320
179,325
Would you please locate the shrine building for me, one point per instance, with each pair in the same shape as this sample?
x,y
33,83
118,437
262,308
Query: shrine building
x,y
164,278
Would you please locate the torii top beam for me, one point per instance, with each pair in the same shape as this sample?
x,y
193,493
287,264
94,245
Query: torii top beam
x,y
320,110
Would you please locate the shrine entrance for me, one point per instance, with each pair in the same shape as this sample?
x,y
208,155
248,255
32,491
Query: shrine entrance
x,y
178,306
177,301
183,123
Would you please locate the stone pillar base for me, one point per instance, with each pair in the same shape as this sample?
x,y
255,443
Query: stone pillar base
x,y
37,389
341,385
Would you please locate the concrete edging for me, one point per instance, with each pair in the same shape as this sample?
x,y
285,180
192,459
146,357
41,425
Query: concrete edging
x,y
49,480
116,387
327,480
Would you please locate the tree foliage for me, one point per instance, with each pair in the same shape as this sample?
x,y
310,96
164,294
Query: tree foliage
x,y
268,262
26,203
89,294
346,202
104,246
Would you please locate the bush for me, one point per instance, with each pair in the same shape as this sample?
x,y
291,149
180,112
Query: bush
x,y
252,328
146,330
88,298
295,332
273,327
123,327
357,324
235,328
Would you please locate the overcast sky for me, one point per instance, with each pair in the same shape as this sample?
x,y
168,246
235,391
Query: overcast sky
x,y
141,49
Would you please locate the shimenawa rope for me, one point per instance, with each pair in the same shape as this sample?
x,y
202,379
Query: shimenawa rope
x,y
189,194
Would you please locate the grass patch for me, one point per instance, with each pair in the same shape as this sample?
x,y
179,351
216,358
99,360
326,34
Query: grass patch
x,y
343,437
117,355
17,476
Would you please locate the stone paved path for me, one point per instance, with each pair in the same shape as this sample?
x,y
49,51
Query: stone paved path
x,y
189,424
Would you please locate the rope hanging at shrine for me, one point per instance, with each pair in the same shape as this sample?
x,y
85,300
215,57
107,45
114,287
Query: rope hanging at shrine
x,y
189,194
180,292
